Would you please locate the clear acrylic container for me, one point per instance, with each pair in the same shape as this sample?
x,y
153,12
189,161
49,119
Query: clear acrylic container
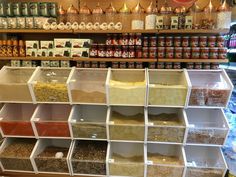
x,y
126,123
50,85
89,122
52,156
207,126
210,88
127,87
205,161
52,120
126,159
15,154
166,125
165,160
89,158
88,86
13,84
15,120
167,88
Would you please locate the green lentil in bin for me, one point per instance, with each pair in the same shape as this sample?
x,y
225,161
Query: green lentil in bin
x,y
89,157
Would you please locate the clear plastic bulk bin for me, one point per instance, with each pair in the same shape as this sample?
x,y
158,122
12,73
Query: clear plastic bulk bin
x,y
207,126
88,86
126,123
209,88
15,154
205,162
13,84
89,122
165,160
89,157
15,120
127,87
166,125
52,120
49,85
168,88
52,156
126,159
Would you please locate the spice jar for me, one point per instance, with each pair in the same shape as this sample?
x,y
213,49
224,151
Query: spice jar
x,y
115,40
190,66
198,66
109,52
153,41
145,52
222,53
187,52
206,66
123,65
3,49
131,39
195,53
161,41
109,40
204,53
169,41
161,52
124,40
152,65
131,52
146,41
94,50
94,64
102,64
22,48
125,52
118,52
139,65
138,39
131,65
153,52
220,41
115,64
178,52
160,65
169,52
214,53
9,48
101,50
185,41
168,65
138,52
177,41
211,41
194,41
215,66
203,41
177,66
15,51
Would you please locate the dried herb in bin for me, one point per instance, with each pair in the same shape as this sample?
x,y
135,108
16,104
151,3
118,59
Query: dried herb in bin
x,y
90,158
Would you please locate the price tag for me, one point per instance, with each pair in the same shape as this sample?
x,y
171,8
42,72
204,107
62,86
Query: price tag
x,y
191,125
150,162
112,122
73,120
111,160
37,119
150,123
192,164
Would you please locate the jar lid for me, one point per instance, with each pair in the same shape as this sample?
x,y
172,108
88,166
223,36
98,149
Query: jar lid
x,y
97,9
124,9
138,9
85,9
194,8
224,7
72,10
111,9
209,8
61,10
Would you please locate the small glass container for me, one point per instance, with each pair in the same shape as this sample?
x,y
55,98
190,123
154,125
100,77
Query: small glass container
x,y
115,40
145,52
190,66
138,52
118,52
94,50
178,52
211,41
214,53
109,40
169,41
131,39
195,53
153,52
185,41
187,52
215,66
177,41
177,66
109,52
9,48
125,52
161,52
203,41
204,53
207,66
138,39
194,41
168,65
169,52
145,41
161,41
220,41
153,41
131,52
15,49
222,53
198,66
125,39
22,52
101,50
160,65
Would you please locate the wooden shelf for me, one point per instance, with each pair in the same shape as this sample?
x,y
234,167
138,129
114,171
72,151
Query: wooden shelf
x,y
115,31
195,60
82,59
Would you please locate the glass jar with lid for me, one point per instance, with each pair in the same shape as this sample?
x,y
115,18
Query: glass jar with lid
x,y
166,12
98,14
72,14
150,19
137,17
85,14
224,14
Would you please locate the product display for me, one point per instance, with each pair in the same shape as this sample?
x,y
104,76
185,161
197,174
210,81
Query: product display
x,y
89,157
15,154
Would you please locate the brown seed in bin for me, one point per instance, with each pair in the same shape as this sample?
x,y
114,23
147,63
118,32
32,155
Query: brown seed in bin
x,y
16,156
47,161
89,158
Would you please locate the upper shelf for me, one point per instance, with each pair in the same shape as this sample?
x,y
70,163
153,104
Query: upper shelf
x,y
115,31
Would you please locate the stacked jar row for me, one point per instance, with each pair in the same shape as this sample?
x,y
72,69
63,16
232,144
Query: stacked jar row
x,y
143,87
82,157
115,123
